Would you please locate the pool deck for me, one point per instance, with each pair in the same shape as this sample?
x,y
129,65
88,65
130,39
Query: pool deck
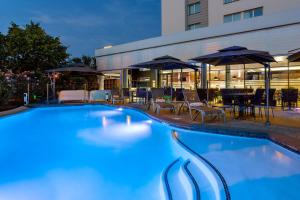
x,y
13,111
285,128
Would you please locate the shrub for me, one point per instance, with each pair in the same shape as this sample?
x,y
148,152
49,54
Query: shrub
x,y
5,91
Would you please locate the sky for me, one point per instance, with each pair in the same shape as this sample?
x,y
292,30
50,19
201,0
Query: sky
x,y
85,25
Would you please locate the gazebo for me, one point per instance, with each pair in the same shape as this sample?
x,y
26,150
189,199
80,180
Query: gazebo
x,y
72,70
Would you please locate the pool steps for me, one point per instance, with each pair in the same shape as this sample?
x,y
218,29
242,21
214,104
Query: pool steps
x,y
183,179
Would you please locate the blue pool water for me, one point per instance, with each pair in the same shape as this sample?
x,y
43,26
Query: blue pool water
x,y
101,152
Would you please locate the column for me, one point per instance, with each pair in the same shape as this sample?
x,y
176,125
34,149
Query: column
x,y
227,76
154,82
101,82
203,76
124,78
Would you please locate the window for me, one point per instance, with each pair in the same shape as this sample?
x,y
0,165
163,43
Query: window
x,y
253,13
229,1
258,12
232,17
194,8
246,15
194,26
236,17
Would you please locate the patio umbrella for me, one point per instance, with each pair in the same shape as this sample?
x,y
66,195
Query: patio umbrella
x,y
294,57
80,69
166,63
241,55
235,55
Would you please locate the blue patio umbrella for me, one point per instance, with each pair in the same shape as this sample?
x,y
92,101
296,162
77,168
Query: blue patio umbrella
x,y
241,55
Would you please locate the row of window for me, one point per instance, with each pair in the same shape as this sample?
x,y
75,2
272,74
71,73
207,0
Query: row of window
x,y
243,15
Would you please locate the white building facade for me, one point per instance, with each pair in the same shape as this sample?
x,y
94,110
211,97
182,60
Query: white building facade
x,y
272,26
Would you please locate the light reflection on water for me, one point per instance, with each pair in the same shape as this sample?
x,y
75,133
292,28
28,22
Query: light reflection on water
x,y
115,135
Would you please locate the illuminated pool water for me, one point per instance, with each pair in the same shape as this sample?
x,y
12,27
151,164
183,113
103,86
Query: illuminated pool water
x,y
101,152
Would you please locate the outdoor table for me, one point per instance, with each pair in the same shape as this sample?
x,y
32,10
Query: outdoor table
x,y
242,99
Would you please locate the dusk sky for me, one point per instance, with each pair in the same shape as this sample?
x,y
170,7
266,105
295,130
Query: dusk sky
x,y
85,25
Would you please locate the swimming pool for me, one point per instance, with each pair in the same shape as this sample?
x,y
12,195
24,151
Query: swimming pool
x,y
104,152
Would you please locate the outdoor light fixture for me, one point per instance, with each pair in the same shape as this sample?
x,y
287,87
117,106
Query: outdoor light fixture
x,y
108,47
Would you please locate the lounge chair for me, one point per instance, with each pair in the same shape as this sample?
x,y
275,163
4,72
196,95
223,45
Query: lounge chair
x,y
73,96
194,104
100,95
120,95
158,102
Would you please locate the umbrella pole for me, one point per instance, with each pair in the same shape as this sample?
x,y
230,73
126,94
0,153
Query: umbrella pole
x,y
289,86
171,84
181,77
244,76
208,84
267,86
196,80
288,75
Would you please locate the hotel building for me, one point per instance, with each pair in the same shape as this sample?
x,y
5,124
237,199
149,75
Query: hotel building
x,y
192,28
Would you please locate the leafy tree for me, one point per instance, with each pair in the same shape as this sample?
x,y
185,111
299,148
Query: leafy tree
x,y
30,48
2,52
87,60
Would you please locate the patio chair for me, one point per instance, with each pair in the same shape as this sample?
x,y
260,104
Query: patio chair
x,y
272,100
141,94
158,102
116,96
228,101
194,104
289,98
257,101
212,94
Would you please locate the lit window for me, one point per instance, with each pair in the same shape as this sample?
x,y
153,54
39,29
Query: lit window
x,y
194,8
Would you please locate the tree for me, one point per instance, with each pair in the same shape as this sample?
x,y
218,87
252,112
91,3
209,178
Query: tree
x,y
30,48
87,60
5,90
2,52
